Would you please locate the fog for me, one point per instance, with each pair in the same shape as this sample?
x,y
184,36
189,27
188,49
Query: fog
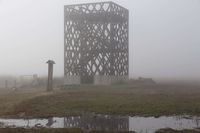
x,y
164,37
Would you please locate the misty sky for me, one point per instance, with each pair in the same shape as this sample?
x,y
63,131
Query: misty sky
x,y
164,37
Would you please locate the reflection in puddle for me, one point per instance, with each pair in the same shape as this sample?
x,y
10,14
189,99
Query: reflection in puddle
x,y
151,124
98,122
89,122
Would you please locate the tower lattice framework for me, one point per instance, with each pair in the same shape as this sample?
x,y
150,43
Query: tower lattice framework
x,y
96,40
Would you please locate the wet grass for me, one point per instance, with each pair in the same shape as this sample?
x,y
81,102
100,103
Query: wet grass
x,y
143,100
176,131
21,130
9,98
44,130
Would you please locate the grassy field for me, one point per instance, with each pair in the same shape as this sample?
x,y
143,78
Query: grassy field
x,y
143,100
175,131
9,98
21,130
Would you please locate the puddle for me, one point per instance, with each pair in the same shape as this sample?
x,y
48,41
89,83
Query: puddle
x,y
90,122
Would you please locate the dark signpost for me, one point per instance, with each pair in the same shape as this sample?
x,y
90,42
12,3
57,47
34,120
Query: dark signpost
x,y
50,75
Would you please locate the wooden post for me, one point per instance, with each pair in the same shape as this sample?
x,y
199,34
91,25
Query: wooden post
x,y
50,75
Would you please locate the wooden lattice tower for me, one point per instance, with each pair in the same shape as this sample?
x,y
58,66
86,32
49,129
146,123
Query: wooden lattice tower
x,y
96,41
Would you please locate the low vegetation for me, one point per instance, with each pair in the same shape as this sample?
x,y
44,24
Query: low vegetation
x,y
10,98
21,130
44,130
143,100
176,131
